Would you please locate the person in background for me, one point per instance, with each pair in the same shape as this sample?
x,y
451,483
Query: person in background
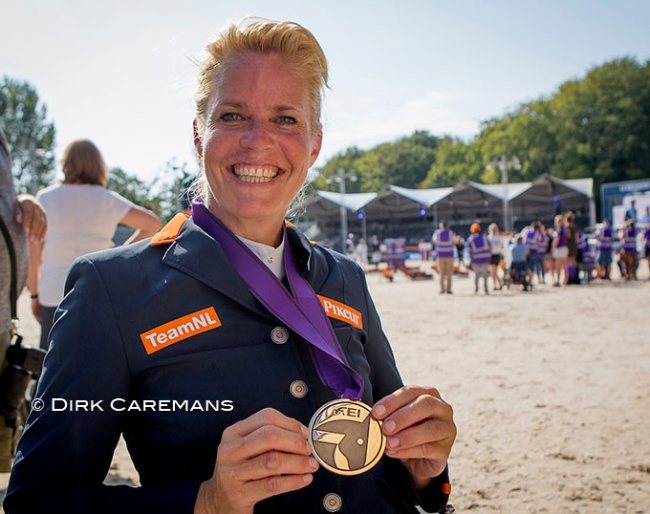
x,y
587,261
496,256
82,216
541,243
361,253
560,252
24,218
630,254
519,262
549,261
443,240
631,214
479,251
573,243
350,246
375,248
234,305
604,249
459,244
536,244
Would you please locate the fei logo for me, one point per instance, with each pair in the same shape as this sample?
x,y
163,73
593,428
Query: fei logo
x,y
179,329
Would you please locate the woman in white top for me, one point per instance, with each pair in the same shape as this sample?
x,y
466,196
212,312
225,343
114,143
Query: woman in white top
x,y
82,217
496,246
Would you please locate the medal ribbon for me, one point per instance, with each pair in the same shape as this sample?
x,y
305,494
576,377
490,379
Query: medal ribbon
x,y
302,312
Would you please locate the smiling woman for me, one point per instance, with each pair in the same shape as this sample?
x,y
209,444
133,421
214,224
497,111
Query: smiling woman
x,y
197,311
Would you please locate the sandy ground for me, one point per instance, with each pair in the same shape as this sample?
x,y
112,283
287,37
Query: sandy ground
x,y
551,390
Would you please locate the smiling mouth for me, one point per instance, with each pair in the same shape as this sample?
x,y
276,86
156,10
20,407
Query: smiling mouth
x,y
255,175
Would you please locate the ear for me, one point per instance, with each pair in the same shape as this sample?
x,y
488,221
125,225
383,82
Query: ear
x,y
197,139
316,146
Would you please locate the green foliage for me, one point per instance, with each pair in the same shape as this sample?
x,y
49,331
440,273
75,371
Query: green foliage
x,y
404,162
160,194
31,138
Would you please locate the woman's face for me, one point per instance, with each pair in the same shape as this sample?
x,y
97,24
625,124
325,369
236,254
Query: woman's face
x,y
258,143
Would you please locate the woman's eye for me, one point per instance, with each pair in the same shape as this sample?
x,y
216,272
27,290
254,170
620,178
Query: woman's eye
x,y
230,116
286,120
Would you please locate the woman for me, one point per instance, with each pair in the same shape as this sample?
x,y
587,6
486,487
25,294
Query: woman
x,y
572,242
497,247
82,216
200,314
560,251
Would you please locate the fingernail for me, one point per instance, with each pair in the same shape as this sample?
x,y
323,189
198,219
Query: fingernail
x,y
313,463
307,478
389,426
304,430
392,442
380,410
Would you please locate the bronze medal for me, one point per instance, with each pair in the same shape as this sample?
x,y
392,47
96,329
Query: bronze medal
x,y
345,438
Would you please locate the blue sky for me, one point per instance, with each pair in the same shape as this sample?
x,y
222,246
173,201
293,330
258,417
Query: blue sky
x,y
120,72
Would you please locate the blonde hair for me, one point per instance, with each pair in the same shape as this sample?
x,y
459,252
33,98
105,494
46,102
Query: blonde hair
x,y
493,228
83,164
297,46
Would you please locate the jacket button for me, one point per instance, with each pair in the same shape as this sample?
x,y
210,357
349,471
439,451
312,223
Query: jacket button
x,y
332,502
279,335
298,389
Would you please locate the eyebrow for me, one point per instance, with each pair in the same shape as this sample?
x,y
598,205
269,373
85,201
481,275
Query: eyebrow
x,y
243,105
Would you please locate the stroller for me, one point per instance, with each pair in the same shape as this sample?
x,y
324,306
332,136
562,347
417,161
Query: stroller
x,y
517,274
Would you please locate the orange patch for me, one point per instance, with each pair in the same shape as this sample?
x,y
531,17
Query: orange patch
x,y
342,312
180,329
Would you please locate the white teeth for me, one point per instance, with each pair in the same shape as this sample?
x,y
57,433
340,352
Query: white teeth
x,y
255,175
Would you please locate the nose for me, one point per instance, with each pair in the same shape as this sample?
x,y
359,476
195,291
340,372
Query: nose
x,y
256,136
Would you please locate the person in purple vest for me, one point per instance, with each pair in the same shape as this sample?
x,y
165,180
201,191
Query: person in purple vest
x,y
245,367
604,247
630,254
480,253
443,240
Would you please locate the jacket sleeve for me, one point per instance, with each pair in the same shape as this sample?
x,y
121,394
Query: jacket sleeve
x,y
385,379
66,449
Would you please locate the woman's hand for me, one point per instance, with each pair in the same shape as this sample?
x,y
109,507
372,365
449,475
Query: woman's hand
x,y
261,456
420,429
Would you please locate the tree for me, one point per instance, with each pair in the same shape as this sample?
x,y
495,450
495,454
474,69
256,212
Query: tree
x,y
30,137
160,194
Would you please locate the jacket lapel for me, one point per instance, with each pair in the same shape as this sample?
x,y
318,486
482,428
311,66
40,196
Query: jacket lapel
x,y
198,255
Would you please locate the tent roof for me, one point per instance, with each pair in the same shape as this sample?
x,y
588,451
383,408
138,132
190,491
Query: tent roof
x,y
425,197
542,196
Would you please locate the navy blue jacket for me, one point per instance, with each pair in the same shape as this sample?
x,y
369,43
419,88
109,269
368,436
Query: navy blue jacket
x,y
98,353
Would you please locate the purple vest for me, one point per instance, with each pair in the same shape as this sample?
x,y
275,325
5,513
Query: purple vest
x,y
479,249
629,239
444,240
605,240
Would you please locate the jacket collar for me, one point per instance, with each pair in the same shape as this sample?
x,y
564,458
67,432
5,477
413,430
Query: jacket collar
x,y
195,253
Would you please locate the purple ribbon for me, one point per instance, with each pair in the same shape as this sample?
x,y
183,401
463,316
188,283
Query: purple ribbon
x,y
302,312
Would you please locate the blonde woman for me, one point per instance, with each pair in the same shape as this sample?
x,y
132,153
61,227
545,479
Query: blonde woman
x,y
202,313
497,247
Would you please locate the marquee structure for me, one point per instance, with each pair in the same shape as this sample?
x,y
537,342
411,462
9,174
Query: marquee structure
x,y
396,211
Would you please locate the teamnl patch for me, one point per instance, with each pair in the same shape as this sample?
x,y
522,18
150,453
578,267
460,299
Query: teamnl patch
x,y
342,312
180,329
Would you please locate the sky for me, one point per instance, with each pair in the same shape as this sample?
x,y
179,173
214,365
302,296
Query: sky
x,y
122,72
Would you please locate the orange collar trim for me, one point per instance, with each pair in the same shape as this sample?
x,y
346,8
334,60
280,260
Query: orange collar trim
x,y
169,232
